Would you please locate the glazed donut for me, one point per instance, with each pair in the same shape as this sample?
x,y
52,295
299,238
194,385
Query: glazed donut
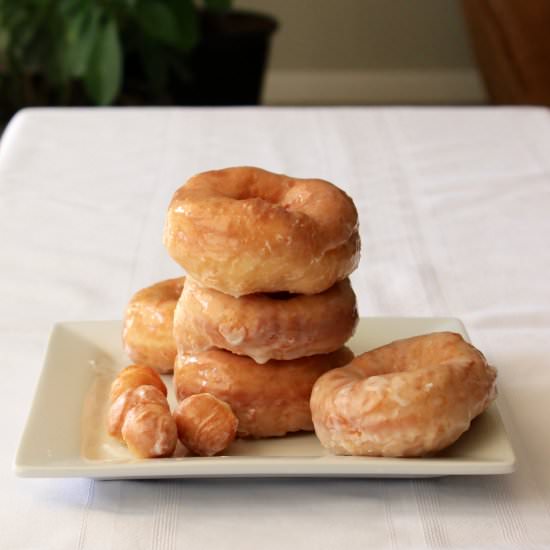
x,y
133,377
149,431
206,425
265,326
245,230
127,400
139,414
268,400
409,398
147,329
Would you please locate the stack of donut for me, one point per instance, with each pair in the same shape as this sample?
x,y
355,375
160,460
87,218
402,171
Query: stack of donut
x,y
266,307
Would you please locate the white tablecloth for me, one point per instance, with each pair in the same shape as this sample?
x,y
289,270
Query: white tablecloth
x,y
455,220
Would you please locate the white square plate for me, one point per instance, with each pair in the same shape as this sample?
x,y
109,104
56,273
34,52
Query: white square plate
x,y
64,435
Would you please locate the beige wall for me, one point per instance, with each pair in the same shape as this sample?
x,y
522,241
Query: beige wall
x,y
373,42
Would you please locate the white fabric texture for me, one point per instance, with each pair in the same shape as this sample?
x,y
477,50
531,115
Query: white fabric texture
x,y
455,220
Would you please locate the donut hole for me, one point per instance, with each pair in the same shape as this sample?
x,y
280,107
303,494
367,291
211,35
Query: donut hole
x,y
252,196
263,190
281,296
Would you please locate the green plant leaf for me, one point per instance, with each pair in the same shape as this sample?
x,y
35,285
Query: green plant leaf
x,y
218,5
187,21
103,77
159,22
82,35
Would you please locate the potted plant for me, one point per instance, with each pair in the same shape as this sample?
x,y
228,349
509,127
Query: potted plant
x,y
99,52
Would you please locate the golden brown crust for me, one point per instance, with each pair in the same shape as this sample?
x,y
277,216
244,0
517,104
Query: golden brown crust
x,y
269,400
149,431
128,400
262,326
408,398
148,325
134,376
139,414
206,425
245,230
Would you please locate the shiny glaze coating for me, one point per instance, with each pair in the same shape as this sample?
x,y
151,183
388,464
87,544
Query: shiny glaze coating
x,y
139,413
244,230
408,398
262,326
149,431
148,325
127,400
269,400
134,376
206,425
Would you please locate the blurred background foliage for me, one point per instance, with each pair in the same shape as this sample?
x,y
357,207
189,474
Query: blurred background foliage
x,y
73,52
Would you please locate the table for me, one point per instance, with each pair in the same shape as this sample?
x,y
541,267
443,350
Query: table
x,y
455,220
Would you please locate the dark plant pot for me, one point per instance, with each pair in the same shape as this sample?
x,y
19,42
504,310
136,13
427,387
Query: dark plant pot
x,y
228,64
